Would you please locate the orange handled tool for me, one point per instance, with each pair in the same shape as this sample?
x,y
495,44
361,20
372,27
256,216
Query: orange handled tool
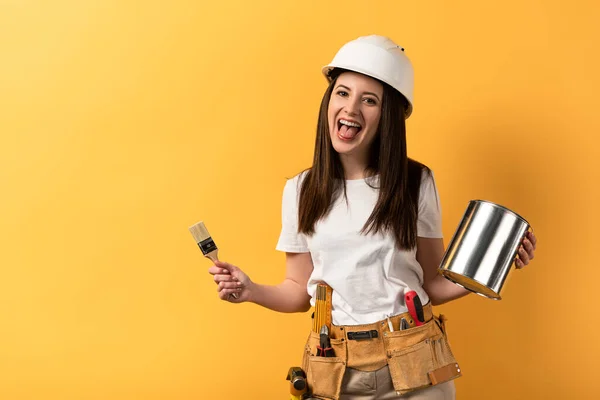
x,y
415,308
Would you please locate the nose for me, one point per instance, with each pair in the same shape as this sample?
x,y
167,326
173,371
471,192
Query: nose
x,y
352,106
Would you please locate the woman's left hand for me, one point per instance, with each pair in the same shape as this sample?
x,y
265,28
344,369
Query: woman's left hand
x,y
526,250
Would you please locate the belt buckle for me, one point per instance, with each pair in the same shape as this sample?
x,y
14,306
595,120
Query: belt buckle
x,y
363,335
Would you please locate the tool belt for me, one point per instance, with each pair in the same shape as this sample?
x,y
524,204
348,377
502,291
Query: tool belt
x,y
418,356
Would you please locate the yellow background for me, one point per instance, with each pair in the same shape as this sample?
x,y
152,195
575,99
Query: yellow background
x,y
124,122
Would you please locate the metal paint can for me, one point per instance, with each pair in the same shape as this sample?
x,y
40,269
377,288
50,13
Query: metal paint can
x,y
482,251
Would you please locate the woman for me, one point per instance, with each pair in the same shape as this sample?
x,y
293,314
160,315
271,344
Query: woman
x,y
365,219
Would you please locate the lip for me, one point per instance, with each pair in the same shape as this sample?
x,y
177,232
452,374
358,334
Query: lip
x,y
337,130
349,120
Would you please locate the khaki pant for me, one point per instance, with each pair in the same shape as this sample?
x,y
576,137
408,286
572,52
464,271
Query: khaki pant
x,y
377,385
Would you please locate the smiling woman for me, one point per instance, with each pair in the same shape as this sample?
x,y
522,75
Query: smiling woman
x,y
364,222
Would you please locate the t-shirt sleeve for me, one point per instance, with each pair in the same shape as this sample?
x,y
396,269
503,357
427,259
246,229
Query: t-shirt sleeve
x,y
429,223
289,239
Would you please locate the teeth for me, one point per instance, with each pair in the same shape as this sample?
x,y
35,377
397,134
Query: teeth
x,y
348,123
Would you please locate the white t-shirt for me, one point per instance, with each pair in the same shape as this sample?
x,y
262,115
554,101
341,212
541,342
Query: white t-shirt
x,y
368,274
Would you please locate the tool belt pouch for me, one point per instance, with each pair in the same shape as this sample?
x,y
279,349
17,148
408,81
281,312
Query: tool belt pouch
x,y
324,374
420,356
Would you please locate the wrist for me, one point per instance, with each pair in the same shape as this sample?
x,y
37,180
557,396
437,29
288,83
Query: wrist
x,y
253,290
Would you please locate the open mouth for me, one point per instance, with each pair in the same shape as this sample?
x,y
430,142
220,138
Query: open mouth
x,y
347,130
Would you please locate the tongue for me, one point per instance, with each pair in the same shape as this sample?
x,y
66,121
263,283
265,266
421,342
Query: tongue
x,y
348,132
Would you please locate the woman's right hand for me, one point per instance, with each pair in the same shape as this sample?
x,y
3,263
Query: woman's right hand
x,y
230,279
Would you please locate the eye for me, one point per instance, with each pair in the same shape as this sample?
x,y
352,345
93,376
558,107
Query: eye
x,y
342,93
370,101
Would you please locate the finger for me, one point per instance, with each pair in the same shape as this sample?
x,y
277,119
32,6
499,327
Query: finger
x,y
216,270
229,285
225,265
523,256
532,239
225,294
224,278
519,264
529,248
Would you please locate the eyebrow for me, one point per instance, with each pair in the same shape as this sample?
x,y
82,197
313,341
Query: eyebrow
x,y
347,88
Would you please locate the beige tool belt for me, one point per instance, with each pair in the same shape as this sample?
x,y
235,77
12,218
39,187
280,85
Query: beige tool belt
x,y
417,357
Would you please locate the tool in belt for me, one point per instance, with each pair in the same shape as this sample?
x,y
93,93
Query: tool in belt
x,y
298,386
325,349
322,314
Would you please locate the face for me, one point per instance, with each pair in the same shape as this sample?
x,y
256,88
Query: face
x,y
354,112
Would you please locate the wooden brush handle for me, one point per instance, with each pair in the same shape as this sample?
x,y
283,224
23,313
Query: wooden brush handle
x,y
213,256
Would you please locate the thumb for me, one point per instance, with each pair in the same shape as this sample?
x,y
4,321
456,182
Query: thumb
x,y
225,265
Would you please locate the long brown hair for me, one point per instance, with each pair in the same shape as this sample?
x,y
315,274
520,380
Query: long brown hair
x,y
396,209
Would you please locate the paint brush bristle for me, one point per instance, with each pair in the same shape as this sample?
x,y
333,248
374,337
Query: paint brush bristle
x,y
199,232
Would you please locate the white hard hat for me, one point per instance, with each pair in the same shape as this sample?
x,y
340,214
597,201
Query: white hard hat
x,y
378,57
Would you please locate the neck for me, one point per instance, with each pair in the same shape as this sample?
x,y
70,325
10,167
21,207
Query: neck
x,y
354,167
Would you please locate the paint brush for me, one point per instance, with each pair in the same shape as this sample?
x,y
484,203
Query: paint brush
x,y
206,244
